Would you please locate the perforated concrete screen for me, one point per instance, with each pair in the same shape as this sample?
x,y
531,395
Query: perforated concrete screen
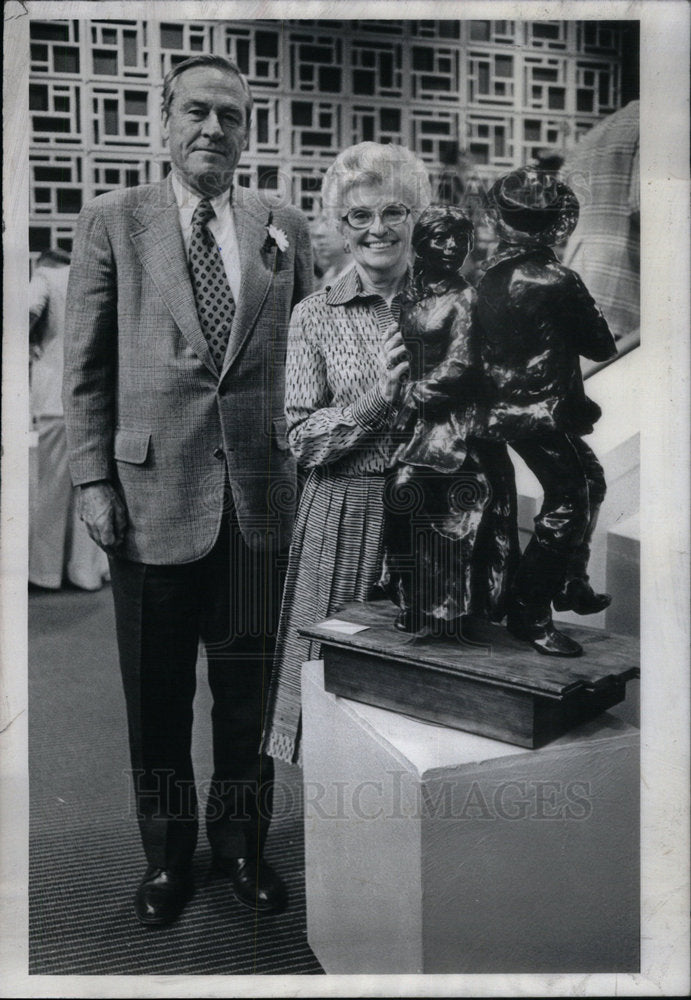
x,y
501,90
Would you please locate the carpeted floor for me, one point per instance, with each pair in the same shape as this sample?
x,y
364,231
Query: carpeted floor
x,y
85,854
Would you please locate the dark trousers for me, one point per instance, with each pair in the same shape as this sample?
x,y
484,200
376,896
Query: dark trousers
x,y
230,600
574,487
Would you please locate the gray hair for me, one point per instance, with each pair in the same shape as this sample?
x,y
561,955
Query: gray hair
x,y
370,163
204,59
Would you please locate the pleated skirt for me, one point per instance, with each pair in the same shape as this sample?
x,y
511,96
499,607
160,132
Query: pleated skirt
x,y
335,558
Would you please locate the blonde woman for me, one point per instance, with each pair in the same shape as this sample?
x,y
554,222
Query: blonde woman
x,y
345,366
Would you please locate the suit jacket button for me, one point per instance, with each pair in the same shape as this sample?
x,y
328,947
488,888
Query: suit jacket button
x,y
218,452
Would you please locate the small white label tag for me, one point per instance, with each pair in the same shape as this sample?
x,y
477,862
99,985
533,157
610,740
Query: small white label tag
x,y
345,628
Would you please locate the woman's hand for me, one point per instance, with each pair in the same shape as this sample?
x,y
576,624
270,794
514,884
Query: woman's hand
x,y
396,366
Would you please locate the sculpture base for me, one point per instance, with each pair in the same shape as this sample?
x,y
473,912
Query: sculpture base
x,y
494,686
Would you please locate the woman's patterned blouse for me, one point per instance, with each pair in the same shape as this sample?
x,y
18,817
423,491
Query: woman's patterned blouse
x,y
336,414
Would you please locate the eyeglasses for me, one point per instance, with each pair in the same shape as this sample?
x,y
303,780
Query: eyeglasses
x,y
362,218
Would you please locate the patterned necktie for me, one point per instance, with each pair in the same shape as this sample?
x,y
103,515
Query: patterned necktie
x,y
215,303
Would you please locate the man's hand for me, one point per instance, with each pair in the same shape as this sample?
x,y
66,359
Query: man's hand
x,y
103,512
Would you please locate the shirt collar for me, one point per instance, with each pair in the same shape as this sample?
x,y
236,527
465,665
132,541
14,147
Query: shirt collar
x,y
187,200
348,287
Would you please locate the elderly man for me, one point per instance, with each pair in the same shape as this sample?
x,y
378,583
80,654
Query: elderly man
x,y
178,305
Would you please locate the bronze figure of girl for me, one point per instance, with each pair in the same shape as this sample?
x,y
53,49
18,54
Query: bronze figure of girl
x,y
450,535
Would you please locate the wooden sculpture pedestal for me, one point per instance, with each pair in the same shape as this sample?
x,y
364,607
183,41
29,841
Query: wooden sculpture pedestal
x,y
495,685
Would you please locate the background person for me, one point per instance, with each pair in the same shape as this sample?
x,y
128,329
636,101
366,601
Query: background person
x,y
605,246
59,545
178,311
484,245
330,253
345,363
459,181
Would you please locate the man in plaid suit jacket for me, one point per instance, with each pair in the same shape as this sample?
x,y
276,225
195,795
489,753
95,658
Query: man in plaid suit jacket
x,y
178,305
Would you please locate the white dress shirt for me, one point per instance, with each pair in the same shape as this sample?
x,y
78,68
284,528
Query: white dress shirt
x,y
222,226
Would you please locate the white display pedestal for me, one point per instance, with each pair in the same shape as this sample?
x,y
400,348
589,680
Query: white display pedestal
x,y
430,850
623,615
624,576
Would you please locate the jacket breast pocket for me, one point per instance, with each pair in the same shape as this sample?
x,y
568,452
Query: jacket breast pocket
x,y
131,445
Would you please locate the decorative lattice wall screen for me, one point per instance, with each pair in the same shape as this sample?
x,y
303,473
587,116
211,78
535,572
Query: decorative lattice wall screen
x,y
500,89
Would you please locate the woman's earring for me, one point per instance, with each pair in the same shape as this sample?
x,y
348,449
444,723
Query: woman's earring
x,y
346,247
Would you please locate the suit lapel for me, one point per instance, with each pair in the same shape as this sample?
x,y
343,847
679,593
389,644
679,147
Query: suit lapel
x,y
158,239
256,269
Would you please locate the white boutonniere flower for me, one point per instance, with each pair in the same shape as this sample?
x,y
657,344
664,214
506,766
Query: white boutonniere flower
x,y
275,237
279,237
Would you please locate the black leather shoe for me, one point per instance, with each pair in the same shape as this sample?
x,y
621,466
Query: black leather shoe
x,y
542,635
577,595
161,896
255,884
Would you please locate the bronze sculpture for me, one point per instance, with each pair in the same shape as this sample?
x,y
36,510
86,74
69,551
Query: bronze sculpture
x,y
535,318
450,536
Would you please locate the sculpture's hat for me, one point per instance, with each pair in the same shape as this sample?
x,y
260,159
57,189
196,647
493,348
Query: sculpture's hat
x,y
531,206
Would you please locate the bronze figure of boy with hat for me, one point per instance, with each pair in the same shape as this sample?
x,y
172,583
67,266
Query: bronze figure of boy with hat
x,y
536,318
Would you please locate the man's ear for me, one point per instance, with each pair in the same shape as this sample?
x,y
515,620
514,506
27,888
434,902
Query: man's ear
x,y
248,126
164,125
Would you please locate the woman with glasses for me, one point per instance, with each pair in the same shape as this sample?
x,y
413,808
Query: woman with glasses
x,y
345,368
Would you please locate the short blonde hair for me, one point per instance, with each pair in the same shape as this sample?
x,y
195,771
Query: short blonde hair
x,y
370,163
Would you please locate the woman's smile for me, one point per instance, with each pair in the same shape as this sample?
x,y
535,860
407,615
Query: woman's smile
x,y
380,244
